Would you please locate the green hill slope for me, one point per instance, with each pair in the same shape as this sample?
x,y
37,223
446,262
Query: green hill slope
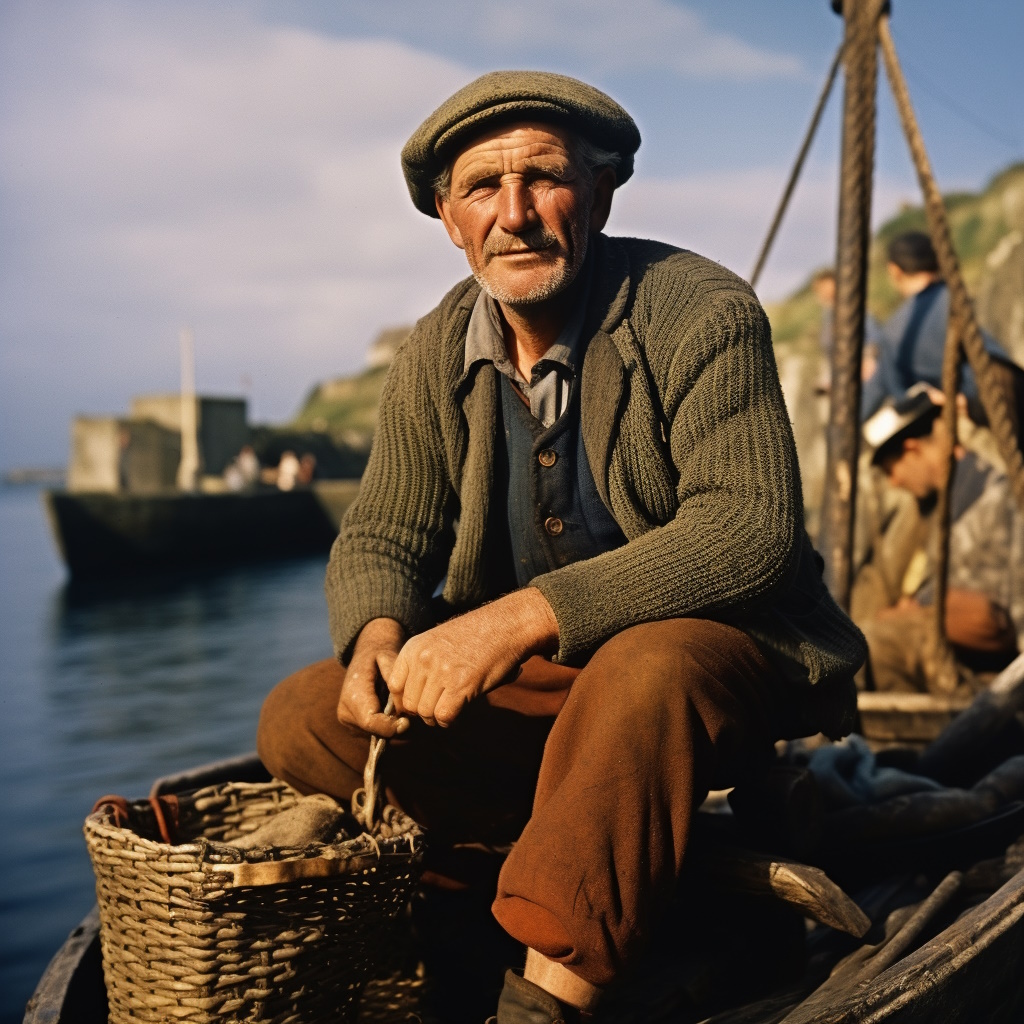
x,y
346,408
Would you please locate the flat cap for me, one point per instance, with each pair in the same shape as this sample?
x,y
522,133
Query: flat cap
x,y
514,96
909,416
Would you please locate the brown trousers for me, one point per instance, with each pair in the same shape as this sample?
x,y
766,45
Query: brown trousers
x,y
593,773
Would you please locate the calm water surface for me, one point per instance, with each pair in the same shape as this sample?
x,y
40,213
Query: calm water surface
x,y
104,689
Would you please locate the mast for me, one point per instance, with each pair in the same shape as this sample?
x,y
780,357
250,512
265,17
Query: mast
x,y
188,467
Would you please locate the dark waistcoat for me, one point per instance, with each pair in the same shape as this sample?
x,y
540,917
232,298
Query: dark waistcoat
x,y
555,514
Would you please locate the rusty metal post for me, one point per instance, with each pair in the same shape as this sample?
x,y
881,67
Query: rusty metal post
x,y
860,61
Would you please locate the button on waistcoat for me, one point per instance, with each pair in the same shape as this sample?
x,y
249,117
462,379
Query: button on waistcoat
x,y
555,514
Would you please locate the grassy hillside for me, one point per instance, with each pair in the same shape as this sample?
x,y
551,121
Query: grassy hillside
x,y
345,408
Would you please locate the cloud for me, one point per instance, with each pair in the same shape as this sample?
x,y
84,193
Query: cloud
x,y
198,167
607,36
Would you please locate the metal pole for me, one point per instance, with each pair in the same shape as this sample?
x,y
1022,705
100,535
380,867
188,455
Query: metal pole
x,y
860,61
188,467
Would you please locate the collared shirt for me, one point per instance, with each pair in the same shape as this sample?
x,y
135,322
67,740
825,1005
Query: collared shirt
x,y
548,388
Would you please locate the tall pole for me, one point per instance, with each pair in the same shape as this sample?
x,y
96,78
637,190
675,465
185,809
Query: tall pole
x,y
188,467
860,62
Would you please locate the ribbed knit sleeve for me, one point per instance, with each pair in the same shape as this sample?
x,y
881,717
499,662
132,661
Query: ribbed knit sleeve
x,y
395,538
734,539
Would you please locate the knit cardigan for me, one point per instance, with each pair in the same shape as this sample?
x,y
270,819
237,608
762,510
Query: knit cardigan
x,y
690,445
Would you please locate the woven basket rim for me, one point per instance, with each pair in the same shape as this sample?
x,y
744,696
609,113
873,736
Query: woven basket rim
x,y
406,841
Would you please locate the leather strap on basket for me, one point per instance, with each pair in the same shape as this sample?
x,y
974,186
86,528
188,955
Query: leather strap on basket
x,y
364,801
165,812
116,807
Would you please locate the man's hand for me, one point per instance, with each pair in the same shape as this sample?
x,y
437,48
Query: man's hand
x,y
440,671
974,622
373,656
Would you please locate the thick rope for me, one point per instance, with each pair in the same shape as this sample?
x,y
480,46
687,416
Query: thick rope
x,y
994,398
860,59
798,165
946,677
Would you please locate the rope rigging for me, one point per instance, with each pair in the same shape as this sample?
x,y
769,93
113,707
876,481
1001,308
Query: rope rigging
x,y
867,30
794,175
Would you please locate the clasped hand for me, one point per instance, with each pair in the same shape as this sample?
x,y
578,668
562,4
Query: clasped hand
x,y
435,674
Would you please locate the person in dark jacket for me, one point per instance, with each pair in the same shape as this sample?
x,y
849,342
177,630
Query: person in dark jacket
x,y
912,341
578,548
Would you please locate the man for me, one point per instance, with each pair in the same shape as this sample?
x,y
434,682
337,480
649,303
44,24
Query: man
x,y
823,284
984,618
578,547
913,340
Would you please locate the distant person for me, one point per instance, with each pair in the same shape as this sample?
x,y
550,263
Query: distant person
x,y
985,600
913,339
124,459
288,471
249,466
307,470
823,284
243,472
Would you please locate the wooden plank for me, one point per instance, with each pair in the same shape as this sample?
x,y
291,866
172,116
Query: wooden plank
x,y
806,888
71,988
907,717
969,972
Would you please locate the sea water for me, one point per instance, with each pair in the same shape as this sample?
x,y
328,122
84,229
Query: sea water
x,y
106,687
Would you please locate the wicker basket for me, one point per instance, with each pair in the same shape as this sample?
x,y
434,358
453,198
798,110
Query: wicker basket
x,y
201,931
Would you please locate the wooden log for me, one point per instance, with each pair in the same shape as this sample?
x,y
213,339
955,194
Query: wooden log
x,y
968,972
907,816
806,888
864,965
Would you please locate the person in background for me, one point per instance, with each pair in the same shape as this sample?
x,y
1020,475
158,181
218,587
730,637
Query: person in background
x,y
823,284
307,470
913,340
248,466
243,471
287,471
984,619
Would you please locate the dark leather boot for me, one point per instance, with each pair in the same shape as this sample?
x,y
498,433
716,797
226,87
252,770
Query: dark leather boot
x,y
522,1002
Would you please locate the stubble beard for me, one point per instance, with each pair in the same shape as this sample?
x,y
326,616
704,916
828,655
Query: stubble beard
x,y
563,270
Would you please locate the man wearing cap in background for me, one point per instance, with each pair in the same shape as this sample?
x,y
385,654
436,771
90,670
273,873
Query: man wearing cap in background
x,y
985,599
578,547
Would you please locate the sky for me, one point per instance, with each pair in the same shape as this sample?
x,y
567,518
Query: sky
x,y
233,167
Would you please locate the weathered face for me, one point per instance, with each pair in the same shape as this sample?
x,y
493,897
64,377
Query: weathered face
x,y
523,212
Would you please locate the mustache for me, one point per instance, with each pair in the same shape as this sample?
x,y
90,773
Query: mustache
x,y
533,240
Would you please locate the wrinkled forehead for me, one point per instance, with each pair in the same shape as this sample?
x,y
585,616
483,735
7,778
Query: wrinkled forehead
x,y
517,141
